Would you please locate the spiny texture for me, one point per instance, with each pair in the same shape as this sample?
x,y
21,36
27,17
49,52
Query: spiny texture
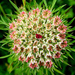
x,y
39,37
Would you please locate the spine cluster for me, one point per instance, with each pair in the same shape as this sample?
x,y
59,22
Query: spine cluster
x,y
39,37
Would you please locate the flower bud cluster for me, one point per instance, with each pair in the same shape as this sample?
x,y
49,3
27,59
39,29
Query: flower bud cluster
x,y
39,37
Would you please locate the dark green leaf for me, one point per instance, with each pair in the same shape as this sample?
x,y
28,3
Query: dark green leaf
x,y
40,4
66,10
58,71
71,21
45,3
24,1
5,56
68,54
54,1
2,10
58,8
65,62
14,6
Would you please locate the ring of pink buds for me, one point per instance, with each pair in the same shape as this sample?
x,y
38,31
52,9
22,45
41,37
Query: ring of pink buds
x,y
38,37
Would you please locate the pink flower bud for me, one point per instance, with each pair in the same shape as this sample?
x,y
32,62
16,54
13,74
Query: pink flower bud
x,y
62,28
57,55
46,13
58,48
13,35
64,44
12,25
62,36
16,49
22,58
36,11
17,41
57,21
33,65
48,64
29,58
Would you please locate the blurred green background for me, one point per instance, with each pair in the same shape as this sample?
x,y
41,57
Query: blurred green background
x,y
7,8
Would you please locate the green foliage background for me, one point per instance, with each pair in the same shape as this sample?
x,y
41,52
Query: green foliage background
x,y
7,8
